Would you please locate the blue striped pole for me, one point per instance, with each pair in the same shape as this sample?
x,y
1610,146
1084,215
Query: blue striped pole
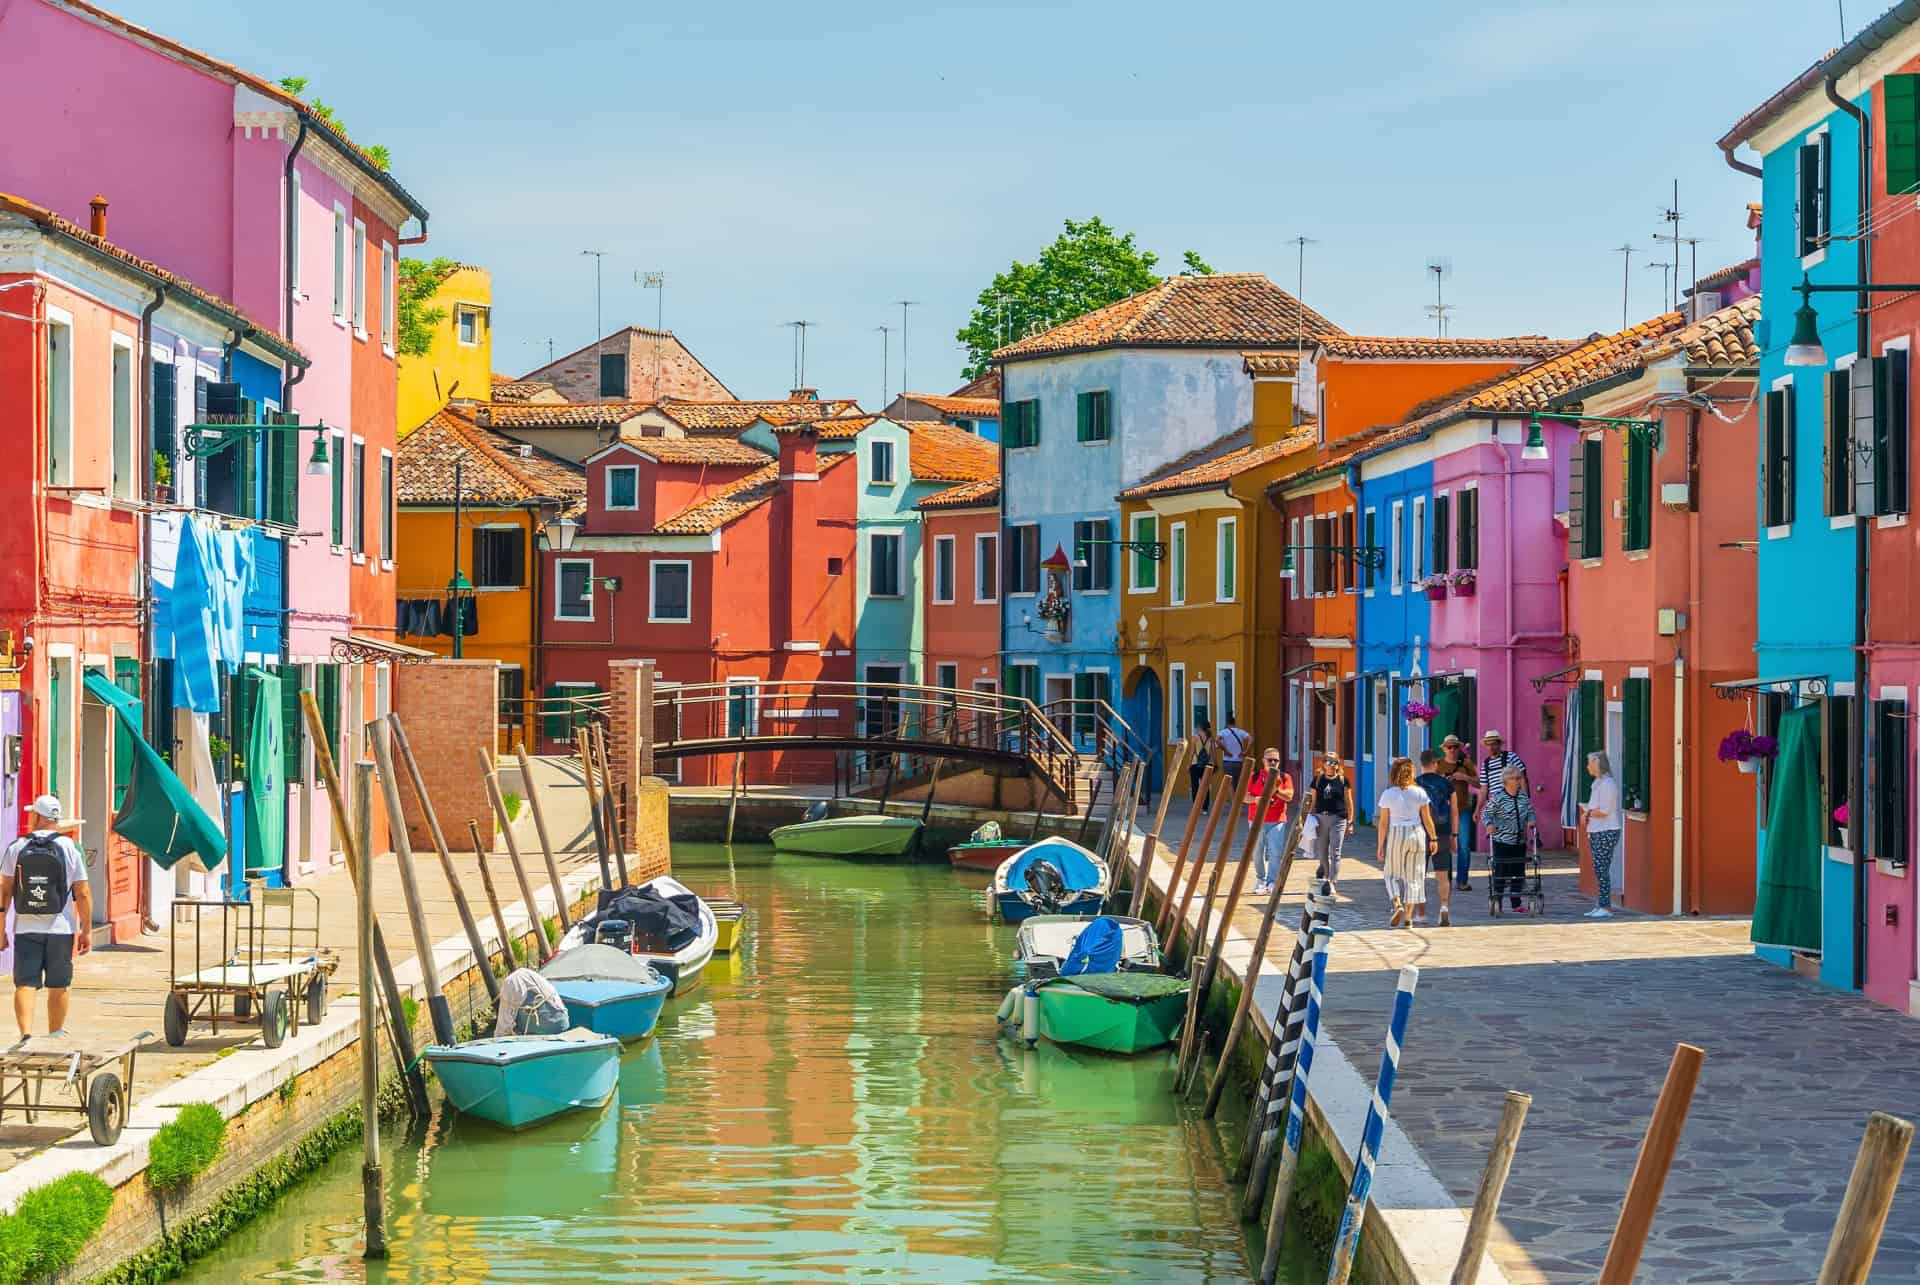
x,y
1297,1107
1270,1095
1348,1241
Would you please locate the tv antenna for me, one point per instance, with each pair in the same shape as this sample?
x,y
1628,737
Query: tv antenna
x,y
799,329
904,305
1626,251
537,342
1671,217
1667,275
1439,269
1300,244
886,345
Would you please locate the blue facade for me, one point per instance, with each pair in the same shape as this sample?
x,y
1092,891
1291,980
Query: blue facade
x,y
889,627
985,429
1393,619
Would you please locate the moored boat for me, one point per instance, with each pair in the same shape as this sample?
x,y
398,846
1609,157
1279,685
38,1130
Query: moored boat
x,y
1045,942
661,922
517,1081
849,836
985,856
1094,984
609,991
1052,877
731,918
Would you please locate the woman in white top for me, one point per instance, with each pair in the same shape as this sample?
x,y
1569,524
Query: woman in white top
x,y
1406,837
1601,812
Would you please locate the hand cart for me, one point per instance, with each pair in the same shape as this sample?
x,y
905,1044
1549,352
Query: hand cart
x,y
240,962
98,1076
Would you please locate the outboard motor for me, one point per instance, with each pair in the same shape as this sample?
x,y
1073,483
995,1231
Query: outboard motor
x,y
617,933
817,812
1046,887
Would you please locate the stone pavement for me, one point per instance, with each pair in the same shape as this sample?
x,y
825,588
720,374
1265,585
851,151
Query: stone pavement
x,y
1583,1015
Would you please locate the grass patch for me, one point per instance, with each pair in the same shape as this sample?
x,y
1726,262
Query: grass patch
x,y
409,1010
51,1225
551,924
519,949
289,1089
185,1146
513,803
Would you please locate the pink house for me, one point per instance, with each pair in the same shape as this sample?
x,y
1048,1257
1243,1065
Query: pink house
x,y
227,180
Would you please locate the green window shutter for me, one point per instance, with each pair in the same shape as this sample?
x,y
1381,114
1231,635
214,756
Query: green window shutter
x,y
126,676
1639,461
1837,458
293,721
1591,495
554,723
1592,730
1900,107
338,457
1899,462
54,697
1636,773
1083,417
1439,562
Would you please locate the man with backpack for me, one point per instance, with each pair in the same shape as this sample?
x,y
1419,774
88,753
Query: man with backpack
x,y
43,876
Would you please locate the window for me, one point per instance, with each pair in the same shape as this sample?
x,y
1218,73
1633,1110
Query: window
x,y
1369,539
836,566
883,564
1093,555
1023,682
1776,461
499,557
1466,520
1091,689
1348,562
125,478
946,675
986,568
943,568
880,463
1395,553
1223,677
1841,412
1890,793
623,486
1226,559
1891,432
1442,534
59,401
1837,774
573,589
1636,773
339,264
1900,104
1176,702
165,413
359,496
1637,532
337,452
1816,193
1200,705
1593,731
511,691
386,502
1020,425
1584,483
1144,573
565,708
1094,419
389,297
1023,559
282,462
469,326
360,278
1177,564
1418,551
613,374
670,600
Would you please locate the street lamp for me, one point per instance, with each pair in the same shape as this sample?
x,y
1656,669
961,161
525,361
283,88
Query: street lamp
x,y
318,464
1536,446
560,534
1805,349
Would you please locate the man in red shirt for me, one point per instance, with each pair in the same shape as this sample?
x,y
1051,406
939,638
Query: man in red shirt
x,y
1272,829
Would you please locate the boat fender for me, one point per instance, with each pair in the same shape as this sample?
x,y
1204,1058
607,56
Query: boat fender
x,y
1030,1018
1007,1006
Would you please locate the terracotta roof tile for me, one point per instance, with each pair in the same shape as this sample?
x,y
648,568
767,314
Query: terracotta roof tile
x,y
1414,348
698,450
738,498
733,417
1227,310
495,470
1212,466
960,407
1270,363
942,453
988,386
506,389
1724,276
47,221
522,415
1720,340
968,495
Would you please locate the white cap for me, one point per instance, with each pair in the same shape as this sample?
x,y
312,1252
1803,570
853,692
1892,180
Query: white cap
x,y
46,806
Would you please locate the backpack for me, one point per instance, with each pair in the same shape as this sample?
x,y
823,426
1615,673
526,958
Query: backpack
x,y
40,876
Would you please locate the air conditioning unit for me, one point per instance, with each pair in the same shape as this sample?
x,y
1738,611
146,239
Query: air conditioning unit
x,y
1674,495
1703,303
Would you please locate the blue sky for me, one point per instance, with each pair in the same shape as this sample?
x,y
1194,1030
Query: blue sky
x,y
821,161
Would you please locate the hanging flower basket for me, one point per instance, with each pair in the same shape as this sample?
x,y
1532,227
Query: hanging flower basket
x,y
1418,713
1747,751
1436,587
1463,583
1750,766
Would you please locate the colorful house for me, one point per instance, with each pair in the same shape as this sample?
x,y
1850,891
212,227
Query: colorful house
x,y
633,364
960,526
978,415
459,362
1089,409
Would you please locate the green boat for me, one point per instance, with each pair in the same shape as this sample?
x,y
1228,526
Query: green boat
x,y
850,836
1112,1012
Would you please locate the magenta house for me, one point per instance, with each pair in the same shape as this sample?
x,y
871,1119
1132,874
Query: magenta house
x,y
224,178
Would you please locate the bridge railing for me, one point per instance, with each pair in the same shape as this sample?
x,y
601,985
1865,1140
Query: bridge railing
x,y
1097,728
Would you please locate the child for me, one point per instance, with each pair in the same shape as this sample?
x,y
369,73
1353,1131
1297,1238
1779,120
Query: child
x,y
1439,789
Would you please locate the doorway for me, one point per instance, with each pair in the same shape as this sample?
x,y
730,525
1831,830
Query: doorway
x,y
1145,705
1059,702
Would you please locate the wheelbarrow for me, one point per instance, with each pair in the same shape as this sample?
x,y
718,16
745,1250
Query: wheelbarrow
x,y
94,1079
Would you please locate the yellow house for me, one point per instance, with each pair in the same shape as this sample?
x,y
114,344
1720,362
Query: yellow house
x,y
460,362
1206,618
488,515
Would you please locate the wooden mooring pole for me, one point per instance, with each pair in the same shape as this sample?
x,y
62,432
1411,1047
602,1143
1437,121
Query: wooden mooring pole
x,y
513,856
437,1007
372,1184
474,941
1486,1202
1657,1149
1180,856
493,897
1175,762
1190,1058
1178,923
584,744
616,837
540,828
1863,1211
1289,847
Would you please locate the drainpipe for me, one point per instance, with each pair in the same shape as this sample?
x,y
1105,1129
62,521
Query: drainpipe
x,y
1693,614
291,375
1726,150
1862,523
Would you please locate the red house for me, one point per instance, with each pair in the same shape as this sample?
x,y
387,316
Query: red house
x,y
718,562
961,541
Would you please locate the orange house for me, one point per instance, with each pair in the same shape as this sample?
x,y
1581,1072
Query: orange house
x,y
960,542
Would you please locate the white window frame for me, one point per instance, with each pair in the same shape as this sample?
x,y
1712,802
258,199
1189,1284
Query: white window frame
x,y
60,401
1200,692
1226,531
339,264
607,488
1298,555
982,560
899,539
952,594
1417,549
1226,682
937,676
1177,564
653,591
1354,570
877,449
466,312
1360,538
356,511
358,286
1310,532
388,480
389,297
293,226
1177,700
1397,542
120,488
1138,560
560,566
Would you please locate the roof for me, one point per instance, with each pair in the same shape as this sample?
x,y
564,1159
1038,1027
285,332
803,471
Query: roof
x,y
1271,363
1414,348
960,407
625,332
47,221
1750,124
697,450
523,415
494,469
988,386
942,453
507,389
1725,276
314,123
838,429
1220,462
735,500
968,495
1720,340
1226,310
1838,62
732,417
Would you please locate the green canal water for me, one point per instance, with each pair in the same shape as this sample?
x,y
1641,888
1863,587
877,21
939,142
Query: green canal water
x,y
832,1104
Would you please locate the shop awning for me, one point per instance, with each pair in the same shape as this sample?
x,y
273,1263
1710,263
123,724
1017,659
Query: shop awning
x,y
158,815
359,648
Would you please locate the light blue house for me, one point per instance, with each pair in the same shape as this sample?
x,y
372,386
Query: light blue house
x,y
1809,152
1088,409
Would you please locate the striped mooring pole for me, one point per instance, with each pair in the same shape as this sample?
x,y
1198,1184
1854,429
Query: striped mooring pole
x,y
1348,1241
1296,1107
1270,1095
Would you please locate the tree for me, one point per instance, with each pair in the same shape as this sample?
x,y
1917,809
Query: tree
x,y
1088,266
419,280
377,152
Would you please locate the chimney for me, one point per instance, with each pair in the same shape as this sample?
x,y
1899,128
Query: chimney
x,y
797,563
804,395
98,223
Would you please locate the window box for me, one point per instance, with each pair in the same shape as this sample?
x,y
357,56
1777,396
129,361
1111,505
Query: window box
x,y
1464,589
1437,592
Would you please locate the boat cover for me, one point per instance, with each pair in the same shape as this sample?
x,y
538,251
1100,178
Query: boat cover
x,y
1129,988
529,1005
989,832
1096,950
1070,859
661,924
598,963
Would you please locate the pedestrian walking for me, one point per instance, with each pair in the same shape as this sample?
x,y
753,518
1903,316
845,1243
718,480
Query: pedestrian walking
x,y
1601,816
43,877
1202,759
1459,769
1510,821
1273,826
1405,843
1332,818
1233,742
1439,790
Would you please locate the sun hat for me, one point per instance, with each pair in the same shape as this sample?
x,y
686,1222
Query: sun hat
x,y
1492,734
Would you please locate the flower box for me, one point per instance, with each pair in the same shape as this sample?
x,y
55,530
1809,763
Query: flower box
x,y
1464,588
1436,592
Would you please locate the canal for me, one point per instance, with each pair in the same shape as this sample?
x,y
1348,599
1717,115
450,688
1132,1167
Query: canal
x,y
833,1103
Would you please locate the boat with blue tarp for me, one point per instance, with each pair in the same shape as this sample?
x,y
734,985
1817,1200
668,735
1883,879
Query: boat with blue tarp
x,y
1052,877
1104,993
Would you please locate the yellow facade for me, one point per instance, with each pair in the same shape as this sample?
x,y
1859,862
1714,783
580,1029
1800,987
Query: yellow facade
x,y
460,362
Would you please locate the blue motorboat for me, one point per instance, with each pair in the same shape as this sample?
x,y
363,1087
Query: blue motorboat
x,y
517,1081
1052,877
609,991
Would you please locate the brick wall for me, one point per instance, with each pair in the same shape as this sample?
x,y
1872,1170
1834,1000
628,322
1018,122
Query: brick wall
x,y
630,765
448,708
577,377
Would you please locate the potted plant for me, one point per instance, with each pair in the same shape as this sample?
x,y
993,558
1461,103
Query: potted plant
x,y
1055,610
162,478
1747,751
1463,582
1436,587
1419,713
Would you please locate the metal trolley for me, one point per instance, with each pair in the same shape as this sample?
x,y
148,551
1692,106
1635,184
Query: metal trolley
x,y
1531,888
94,1079
258,960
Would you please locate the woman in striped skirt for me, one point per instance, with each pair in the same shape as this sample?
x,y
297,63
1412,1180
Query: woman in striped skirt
x,y
1406,839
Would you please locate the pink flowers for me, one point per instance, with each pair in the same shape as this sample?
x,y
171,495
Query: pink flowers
x,y
1741,744
1418,712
